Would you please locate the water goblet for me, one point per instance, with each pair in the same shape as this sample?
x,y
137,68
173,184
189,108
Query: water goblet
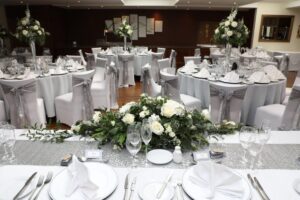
x,y
8,140
265,133
146,135
133,144
246,138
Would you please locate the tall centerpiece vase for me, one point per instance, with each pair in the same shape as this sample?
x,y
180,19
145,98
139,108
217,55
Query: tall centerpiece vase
x,y
33,51
125,43
227,58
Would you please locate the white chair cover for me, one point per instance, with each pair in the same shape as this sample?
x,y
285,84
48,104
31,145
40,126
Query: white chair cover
x,y
75,58
173,55
90,64
112,83
100,67
149,86
161,50
154,66
96,50
197,60
21,103
126,70
82,57
78,105
164,63
226,105
197,52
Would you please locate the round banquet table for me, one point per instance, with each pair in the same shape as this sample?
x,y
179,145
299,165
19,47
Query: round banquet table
x,y
257,94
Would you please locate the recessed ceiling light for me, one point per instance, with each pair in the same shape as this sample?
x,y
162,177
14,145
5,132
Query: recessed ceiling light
x,y
78,1
21,2
209,2
149,3
234,3
188,2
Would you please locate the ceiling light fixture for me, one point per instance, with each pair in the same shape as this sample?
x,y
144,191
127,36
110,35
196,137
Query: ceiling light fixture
x,y
78,1
149,3
21,2
209,2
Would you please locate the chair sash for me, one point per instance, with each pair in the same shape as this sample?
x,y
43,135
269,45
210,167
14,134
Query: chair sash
x,y
146,84
87,107
173,58
90,65
17,103
170,89
291,116
82,57
225,100
125,60
112,84
197,52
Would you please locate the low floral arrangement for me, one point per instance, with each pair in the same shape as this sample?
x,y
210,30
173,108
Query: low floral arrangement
x,y
232,31
29,29
124,30
3,32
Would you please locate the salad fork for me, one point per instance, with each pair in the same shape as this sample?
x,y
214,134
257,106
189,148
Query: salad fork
x,y
38,185
47,180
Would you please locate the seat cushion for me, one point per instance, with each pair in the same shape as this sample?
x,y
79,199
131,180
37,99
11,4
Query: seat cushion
x,y
190,102
67,98
273,113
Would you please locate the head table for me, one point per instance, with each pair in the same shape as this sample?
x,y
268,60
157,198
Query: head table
x,y
277,174
257,94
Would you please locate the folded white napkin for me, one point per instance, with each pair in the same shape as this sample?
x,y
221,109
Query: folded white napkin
x,y
190,64
214,178
204,73
273,73
79,179
259,77
232,77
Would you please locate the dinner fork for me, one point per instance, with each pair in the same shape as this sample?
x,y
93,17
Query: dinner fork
x,y
39,184
47,180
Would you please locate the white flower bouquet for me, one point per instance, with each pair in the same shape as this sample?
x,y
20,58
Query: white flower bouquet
x,y
232,31
29,29
124,30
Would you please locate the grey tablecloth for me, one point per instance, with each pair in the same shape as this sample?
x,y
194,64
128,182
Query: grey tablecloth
x,y
256,95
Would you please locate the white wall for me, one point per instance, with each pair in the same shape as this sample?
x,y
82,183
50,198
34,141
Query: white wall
x,y
265,8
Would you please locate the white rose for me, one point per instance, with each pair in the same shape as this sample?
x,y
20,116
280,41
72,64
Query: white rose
x,y
227,23
25,32
75,128
40,32
206,113
159,98
142,114
156,128
35,27
234,24
37,22
232,123
89,123
24,22
216,31
113,123
168,110
172,134
128,119
97,116
145,108
126,107
189,116
130,31
229,33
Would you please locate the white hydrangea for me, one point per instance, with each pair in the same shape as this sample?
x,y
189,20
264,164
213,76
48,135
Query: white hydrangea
x,y
171,108
128,119
142,114
172,134
234,24
97,116
156,127
168,128
126,107
206,113
154,117
229,33
227,23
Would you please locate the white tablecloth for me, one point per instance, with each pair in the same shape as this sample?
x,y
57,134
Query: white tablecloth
x,y
256,95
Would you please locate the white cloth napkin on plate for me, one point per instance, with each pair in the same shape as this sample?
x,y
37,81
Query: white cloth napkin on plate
x,y
215,178
232,77
204,73
259,77
79,179
273,73
25,75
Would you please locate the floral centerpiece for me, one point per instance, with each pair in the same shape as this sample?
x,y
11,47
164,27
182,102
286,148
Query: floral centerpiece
x,y
125,31
30,31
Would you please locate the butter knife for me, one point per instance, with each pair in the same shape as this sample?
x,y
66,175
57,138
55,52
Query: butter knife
x,y
126,186
132,187
255,186
162,189
261,188
25,186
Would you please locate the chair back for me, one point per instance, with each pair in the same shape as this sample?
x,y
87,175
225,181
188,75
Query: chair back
x,y
173,55
291,115
164,63
226,104
20,101
125,60
197,52
149,86
111,77
90,64
100,67
155,66
82,97
170,84
161,50
197,60
96,50
82,57
75,58
264,63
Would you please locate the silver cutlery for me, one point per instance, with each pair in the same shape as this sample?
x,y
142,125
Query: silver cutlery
x,y
180,195
132,188
84,159
28,181
38,185
255,186
162,189
47,180
126,186
261,188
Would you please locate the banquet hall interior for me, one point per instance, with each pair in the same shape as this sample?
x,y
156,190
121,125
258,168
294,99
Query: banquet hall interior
x,y
136,97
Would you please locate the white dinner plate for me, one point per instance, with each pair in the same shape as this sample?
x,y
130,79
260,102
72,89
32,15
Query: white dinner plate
x,y
150,190
194,191
159,156
296,185
59,73
196,76
225,81
102,175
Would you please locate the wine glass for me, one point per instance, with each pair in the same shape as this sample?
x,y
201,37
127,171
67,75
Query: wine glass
x,y
8,139
133,143
246,138
146,135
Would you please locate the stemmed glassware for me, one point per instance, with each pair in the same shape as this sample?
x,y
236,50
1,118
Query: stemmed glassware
x,y
265,130
246,137
146,135
133,141
8,139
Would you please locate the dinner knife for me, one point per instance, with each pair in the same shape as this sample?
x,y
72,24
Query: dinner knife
x,y
25,186
162,189
255,187
261,188
126,186
132,187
